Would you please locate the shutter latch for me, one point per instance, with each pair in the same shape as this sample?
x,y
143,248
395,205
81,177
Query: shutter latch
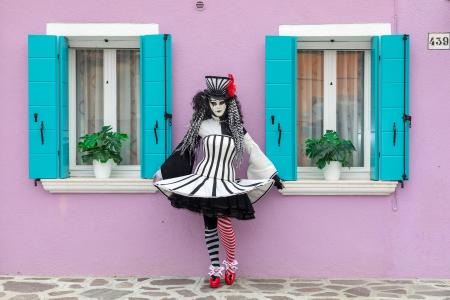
x,y
168,116
407,118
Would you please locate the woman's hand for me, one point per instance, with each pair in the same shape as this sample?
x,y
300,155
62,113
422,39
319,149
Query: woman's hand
x,y
157,176
278,182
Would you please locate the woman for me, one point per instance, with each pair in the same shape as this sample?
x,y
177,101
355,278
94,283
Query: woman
x,y
211,188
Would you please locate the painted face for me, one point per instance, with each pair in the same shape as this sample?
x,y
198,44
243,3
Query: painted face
x,y
218,107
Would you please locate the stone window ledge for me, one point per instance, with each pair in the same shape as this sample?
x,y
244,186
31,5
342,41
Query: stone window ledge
x,y
94,185
339,187
299,187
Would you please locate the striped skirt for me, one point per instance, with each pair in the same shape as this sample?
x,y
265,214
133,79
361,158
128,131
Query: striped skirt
x,y
212,189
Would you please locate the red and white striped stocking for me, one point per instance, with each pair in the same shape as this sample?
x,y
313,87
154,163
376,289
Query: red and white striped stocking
x,y
228,239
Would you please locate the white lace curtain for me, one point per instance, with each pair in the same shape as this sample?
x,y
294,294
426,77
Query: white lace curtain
x,y
128,112
350,101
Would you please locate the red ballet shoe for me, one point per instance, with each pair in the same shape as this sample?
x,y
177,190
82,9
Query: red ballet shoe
x,y
229,277
215,273
214,281
230,273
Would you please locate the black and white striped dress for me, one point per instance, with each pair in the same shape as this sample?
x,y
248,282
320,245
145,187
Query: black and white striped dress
x,y
212,188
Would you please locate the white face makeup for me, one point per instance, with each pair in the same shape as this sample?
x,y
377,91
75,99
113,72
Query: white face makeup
x,y
218,107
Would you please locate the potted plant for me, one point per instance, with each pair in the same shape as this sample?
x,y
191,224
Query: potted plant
x,y
329,153
101,149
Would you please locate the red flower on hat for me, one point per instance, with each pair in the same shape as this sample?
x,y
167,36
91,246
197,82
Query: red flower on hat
x,y
231,88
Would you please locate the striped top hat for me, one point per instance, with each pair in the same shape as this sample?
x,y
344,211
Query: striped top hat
x,y
220,87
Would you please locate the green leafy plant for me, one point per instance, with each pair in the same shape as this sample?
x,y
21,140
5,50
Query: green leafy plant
x,y
330,147
102,145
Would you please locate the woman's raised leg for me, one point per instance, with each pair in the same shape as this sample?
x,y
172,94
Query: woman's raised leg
x,y
228,239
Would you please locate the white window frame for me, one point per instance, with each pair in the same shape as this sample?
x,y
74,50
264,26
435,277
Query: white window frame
x,y
109,104
98,35
330,101
325,33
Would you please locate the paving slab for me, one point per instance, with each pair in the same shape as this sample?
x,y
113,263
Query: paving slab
x,y
35,287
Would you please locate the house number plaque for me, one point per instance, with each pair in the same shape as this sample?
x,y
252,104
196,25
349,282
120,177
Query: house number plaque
x,y
439,41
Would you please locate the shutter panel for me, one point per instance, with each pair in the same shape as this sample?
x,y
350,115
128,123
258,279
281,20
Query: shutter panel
x,y
281,104
156,102
63,108
394,107
42,106
374,117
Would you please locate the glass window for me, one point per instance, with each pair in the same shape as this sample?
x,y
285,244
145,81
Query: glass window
x,y
333,93
350,101
107,92
310,99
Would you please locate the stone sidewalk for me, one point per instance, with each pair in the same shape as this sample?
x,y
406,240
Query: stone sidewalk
x,y
140,288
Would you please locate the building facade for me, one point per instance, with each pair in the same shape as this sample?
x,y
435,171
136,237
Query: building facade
x,y
361,68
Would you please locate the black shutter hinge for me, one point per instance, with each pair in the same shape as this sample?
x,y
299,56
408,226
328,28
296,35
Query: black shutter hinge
x,y
379,57
36,182
402,185
58,55
407,118
166,36
405,37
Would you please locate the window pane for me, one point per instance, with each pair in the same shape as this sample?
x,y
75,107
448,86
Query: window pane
x,y
310,100
128,112
89,93
350,101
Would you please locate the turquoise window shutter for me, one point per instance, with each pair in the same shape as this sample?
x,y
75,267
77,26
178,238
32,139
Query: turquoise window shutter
x,y
156,102
393,108
43,106
48,141
63,108
374,116
281,104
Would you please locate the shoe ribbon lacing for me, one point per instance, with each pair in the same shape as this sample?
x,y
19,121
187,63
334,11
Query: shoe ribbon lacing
x,y
216,271
231,266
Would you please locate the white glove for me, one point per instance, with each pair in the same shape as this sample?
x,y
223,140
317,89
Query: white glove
x,y
157,176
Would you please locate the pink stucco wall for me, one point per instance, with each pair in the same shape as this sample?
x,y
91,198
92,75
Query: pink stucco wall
x,y
318,236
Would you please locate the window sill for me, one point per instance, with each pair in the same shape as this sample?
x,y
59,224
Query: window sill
x,y
339,187
94,185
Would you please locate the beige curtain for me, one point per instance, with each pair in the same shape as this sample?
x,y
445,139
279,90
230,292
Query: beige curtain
x,y
310,100
89,93
350,101
128,112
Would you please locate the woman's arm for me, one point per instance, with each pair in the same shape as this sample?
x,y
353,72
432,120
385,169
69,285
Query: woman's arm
x,y
260,166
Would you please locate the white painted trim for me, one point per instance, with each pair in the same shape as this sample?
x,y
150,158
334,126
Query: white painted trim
x,y
364,29
110,112
101,29
326,45
93,185
330,82
109,88
367,107
118,171
339,187
72,109
102,43
355,173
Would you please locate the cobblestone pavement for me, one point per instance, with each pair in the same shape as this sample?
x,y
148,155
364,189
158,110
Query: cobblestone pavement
x,y
140,288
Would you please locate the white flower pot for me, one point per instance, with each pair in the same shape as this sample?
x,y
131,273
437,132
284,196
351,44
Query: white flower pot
x,y
332,171
102,170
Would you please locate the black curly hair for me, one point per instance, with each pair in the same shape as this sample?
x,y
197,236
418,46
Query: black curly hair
x,y
202,111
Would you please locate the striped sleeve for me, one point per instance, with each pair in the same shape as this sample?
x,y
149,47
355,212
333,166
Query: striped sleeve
x,y
259,166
